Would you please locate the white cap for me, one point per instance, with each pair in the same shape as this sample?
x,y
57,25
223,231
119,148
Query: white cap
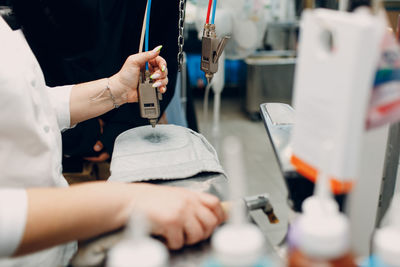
x,y
394,211
387,245
323,236
315,204
323,232
238,244
142,252
387,238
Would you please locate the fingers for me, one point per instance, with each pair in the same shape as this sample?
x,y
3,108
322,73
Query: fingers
x,y
197,226
194,231
161,84
158,63
158,74
141,58
180,216
213,203
174,237
208,221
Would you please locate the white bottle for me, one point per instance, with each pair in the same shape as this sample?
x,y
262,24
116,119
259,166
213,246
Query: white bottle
x,y
237,243
386,242
323,236
322,232
138,249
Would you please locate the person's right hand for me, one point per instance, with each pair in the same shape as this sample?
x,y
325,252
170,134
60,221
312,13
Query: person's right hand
x,y
180,216
124,83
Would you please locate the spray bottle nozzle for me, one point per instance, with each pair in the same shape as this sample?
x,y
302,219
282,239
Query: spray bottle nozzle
x,y
322,191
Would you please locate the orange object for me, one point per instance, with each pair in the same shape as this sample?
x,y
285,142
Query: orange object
x,y
298,259
311,173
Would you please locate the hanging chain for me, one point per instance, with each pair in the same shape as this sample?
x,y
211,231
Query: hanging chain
x,y
181,39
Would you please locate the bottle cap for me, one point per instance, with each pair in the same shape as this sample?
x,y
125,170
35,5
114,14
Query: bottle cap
x,y
143,252
138,249
323,232
387,245
238,244
394,211
312,205
324,236
387,239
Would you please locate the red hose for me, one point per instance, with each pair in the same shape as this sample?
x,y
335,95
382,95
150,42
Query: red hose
x,y
208,11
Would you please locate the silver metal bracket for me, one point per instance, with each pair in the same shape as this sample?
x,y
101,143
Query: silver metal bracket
x,y
149,98
211,49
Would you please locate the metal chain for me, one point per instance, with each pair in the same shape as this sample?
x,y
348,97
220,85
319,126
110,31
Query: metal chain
x,y
181,39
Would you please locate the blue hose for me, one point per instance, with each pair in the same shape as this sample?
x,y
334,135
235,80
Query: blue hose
x,y
213,12
146,42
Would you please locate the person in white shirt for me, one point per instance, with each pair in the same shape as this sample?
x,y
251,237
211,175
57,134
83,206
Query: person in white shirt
x,y
39,214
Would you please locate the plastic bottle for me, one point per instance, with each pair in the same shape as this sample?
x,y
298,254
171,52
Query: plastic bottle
x,y
321,234
138,249
386,242
238,243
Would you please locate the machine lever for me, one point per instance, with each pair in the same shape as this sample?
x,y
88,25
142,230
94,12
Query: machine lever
x,y
220,48
254,203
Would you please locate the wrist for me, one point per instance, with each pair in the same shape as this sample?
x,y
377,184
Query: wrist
x,y
118,92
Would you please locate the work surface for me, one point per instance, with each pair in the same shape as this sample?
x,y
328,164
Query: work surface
x,y
214,184
262,176
93,253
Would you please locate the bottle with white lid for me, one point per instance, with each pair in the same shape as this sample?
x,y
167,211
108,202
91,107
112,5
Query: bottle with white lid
x,y
386,241
322,232
138,249
238,243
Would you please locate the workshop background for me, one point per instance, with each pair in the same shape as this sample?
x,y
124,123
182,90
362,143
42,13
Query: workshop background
x,y
256,69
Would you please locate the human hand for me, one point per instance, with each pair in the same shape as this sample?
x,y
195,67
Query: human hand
x,y
180,216
98,147
124,84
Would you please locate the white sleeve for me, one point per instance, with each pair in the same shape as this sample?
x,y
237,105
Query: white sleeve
x,y
60,98
13,211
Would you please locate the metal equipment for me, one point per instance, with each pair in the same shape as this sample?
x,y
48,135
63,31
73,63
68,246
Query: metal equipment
x,y
211,49
181,39
148,95
256,202
149,99
380,158
261,202
270,77
279,119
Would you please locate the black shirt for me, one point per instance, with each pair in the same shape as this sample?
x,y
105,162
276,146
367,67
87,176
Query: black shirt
x,y
82,40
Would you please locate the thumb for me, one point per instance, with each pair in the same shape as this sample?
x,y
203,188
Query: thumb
x,y
142,58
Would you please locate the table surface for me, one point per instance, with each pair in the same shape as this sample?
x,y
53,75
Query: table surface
x,y
196,255
190,255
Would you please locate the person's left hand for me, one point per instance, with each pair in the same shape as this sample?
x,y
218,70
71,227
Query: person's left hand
x,y
98,147
103,155
124,84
